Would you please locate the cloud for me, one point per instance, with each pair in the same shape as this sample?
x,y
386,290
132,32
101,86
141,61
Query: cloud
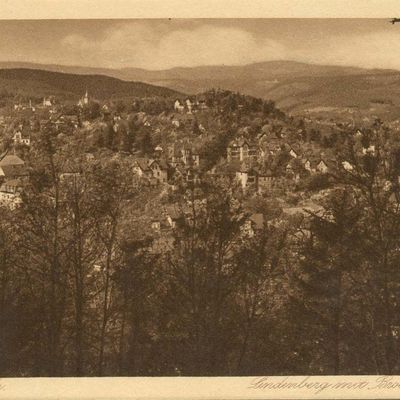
x,y
160,44
380,49
139,45
372,50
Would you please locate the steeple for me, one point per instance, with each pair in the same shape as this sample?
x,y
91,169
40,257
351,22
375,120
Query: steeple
x,y
86,98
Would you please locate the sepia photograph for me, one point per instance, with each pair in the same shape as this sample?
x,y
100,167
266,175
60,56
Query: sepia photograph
x,y
200,197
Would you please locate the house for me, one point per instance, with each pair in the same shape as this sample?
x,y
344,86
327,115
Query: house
x,y
293,169
178,106
370,150
89,157
307,164
358,133
266,181
183,154
201,103
47,102
347,166
241,150
158,151
186,174
141,168
247,179
249,151
192,176
10,193
253,224
12,167
322,167
174,216
160,170
190,157
201,128
233,152
155,171
189,105
317,165
166,219
156,224
176,123
174,156
21,136
269,144
71,174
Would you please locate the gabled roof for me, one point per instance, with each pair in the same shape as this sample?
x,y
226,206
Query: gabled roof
x,y
142,163
258,220
241,142
161,163
11,160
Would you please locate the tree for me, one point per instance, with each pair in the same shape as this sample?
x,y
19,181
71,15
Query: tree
x,y
91,111
40,228
136,279
112,189
197,299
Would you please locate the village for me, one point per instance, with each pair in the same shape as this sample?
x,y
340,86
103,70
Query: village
x,y
266,157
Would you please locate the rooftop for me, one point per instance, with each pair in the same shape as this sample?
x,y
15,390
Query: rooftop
x,y
11,160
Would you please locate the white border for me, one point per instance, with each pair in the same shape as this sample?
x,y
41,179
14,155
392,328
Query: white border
x,y
353,387
308,387
92,9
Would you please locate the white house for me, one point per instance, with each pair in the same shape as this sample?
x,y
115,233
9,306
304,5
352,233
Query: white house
x,y
178,106
347,166
10,194
189,105
84,100
47,102
19,138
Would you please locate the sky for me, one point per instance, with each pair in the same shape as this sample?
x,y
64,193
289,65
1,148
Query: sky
x,y
166,43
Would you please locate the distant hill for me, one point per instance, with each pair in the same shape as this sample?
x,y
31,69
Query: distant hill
x,y
35,82
294,86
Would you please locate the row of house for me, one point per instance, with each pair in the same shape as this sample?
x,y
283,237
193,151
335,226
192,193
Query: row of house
x,y
61,122
178,161
243,149
256,160
171,216
190,105
159,171
47,102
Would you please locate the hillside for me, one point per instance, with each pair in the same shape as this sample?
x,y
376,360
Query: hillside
x,y
295,87
34,82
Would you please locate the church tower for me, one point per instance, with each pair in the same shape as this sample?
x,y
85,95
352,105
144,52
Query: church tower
x,y
86,98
